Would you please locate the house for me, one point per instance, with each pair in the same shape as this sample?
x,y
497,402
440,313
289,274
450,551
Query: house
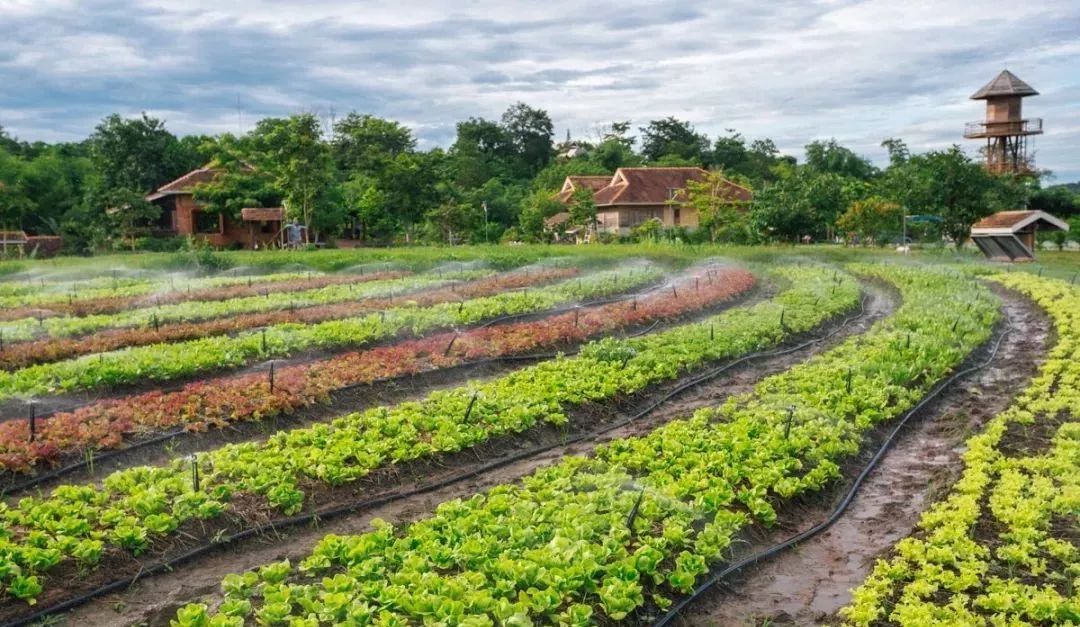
x,y
1010,235
180,215
633,196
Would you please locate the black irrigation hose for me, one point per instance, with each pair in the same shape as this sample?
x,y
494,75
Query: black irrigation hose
x,y
849,496
394,496
180,431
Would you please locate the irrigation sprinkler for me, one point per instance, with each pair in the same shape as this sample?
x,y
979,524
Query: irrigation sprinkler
x,y
461,305
33,421
1072,281
674,292
271,376
195,472
849,373
576,317
382,317
908,343
634,511
712,331
249,281
263,331
783,310
449,346
697,284
472,403
154,321
790,417
633,306
955,323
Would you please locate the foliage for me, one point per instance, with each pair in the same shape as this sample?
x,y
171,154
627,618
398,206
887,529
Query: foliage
x,y
720,212
870,218
674,139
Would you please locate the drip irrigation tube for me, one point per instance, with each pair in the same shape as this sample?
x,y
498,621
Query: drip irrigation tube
x,y
301,519
839,510
89,460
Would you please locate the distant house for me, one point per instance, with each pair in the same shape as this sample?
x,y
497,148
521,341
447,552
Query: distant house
x,y
633,196
180,216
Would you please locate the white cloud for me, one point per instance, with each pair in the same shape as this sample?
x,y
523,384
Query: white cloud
x,y
857,70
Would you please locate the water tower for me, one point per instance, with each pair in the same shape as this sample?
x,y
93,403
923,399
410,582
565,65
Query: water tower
x,y
1005,129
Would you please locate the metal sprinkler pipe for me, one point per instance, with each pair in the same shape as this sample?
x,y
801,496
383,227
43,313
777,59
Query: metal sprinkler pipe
x,y
271,376
790,417
33,421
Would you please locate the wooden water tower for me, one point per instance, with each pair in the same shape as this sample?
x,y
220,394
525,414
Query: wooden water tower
x,y
1005,129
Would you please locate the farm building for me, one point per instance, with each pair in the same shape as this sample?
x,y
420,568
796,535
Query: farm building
x,y
180,215
633,196
1010,235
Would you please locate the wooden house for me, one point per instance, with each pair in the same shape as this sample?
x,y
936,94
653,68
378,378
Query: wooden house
x,y
181,216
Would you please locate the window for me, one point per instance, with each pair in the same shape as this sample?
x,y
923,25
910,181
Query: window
x,y
675,216
207,223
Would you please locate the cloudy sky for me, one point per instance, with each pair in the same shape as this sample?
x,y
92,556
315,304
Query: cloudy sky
x,y
791,70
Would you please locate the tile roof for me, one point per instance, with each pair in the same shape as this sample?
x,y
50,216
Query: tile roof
x,y
1015,220
654,186
575,182
1004,84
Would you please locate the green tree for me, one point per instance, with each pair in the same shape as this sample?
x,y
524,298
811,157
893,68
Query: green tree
x,y
830,157
292,152
583,208
530,132
365,143
450,222
539,205
803,202
871,218
130,213
721,213
138,154
672,137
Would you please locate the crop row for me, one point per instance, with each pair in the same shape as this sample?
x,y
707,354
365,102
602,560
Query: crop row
x,y
592,540
250,397
76,305
1001,549
189,311
44,293
24,354
134,506
164,362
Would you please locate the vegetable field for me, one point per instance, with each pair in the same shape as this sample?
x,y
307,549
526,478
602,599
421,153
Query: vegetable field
x,y
566,437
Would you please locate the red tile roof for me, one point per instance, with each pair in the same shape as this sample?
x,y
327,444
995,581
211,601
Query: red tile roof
x,y
655,186
1016,220
575,182
185,184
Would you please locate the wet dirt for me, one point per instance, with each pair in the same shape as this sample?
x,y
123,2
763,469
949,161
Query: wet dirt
x,y
154,600
808,584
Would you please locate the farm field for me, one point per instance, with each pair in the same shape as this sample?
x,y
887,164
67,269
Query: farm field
x,y
540,435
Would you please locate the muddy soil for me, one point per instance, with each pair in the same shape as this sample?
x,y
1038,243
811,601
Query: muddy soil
x,y
808,584
154,600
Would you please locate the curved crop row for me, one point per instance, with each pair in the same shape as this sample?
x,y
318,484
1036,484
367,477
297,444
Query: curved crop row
x,y
594,540
219,402
1003,548
78,306
24,354
46,294
78,522
164,362
191,311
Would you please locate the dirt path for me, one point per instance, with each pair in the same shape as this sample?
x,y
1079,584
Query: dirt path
x,y
807,585
154,601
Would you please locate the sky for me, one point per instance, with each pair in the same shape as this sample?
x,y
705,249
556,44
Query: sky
x,y
791,70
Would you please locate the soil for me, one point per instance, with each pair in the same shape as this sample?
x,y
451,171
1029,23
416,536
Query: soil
x,y
807,585
154,600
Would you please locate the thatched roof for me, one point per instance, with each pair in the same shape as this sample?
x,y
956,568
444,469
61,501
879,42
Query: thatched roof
x,y
1004,84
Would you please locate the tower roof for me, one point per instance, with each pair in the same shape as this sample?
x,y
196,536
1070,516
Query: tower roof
x,y
1005,84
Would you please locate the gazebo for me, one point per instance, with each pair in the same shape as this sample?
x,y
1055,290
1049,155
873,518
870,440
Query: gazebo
x,y
1010,235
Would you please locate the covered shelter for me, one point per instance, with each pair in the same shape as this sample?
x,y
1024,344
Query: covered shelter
x,y
1010,235
264,226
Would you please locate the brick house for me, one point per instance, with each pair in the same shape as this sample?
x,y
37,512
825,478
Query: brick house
x,y
180,216
632,196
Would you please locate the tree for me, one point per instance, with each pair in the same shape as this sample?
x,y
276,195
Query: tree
x,y
130,213
729,153
530,132
870,218
720,212
449,221
483,150
365,143
898,151
583,208
674,138
138,154
832,158
292,152
803,202
948,184
537,206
